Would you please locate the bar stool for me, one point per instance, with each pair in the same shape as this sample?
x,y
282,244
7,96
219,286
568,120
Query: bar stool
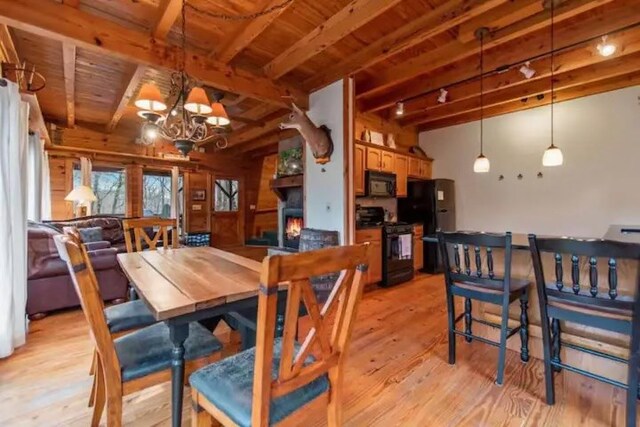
x,y
587,305
463,281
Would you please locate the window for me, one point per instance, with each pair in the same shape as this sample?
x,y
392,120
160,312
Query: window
x,y
110,187
156,194
226,195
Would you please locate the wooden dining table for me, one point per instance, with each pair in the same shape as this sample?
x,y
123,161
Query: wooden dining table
x,y
187,285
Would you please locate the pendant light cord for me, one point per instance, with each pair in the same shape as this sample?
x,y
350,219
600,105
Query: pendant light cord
x,y
481,92
552,66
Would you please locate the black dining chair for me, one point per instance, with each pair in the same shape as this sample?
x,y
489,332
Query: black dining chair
x,y
472,283
590,305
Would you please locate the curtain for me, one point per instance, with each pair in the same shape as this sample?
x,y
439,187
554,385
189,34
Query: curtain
x,y
85,174
14,133
39,194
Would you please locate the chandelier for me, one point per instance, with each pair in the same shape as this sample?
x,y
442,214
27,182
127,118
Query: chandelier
x,y
192,119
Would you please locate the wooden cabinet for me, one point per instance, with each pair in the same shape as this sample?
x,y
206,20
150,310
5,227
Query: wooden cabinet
x,y
374,237
401,169
387,161
425,169
418,247
374,159
419,168
358,169
414,167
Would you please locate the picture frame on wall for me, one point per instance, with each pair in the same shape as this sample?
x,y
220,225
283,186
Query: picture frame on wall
x,y
199,195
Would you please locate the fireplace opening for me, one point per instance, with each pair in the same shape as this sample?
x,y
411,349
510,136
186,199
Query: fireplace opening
x,y
292,226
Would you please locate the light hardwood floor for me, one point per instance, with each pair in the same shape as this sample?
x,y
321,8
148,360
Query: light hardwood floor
x,y
397,375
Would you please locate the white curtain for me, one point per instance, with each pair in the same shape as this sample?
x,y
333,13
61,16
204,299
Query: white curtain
x,y
14,134
85,173
39,194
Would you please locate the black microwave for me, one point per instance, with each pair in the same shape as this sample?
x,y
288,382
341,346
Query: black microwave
x,y
380,184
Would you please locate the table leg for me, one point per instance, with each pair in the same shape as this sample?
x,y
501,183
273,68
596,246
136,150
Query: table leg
x,y
178,334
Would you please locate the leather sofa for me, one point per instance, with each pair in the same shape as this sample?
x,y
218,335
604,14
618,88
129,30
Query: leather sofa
x,y
49,285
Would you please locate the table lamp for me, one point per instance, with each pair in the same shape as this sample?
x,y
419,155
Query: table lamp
x,y
81,195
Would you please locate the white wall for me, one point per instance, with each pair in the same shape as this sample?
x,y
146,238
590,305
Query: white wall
x,y
597,185
324,184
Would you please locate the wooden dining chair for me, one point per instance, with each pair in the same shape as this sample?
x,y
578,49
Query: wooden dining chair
x,y
264,385
143,228
594,305
134,361
472,283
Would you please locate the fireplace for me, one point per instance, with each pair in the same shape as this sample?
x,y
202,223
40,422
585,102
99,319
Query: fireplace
x,y
292,224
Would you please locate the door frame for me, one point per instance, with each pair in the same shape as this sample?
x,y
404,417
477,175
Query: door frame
x,y
241,204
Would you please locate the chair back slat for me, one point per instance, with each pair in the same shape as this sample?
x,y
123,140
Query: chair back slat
x,y
475,275
86,285
590,251
327,344
140,226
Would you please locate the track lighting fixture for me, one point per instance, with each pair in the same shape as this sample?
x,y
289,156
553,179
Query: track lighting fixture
x,y
399,108
552,155
481,164
527,71
606,48
443,96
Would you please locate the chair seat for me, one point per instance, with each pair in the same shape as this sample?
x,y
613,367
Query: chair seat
x,y
128,315
228,385
515,286
148,350
591,309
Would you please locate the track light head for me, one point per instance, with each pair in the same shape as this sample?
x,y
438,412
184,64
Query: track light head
x,y
527,71
400,109
442,98
606,48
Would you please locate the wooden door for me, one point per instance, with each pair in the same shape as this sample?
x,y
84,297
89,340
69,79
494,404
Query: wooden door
x,y
358,169
374,159
414,167
227,227
401,169
387,164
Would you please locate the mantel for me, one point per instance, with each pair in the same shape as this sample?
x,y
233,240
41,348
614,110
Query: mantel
x,y
280,184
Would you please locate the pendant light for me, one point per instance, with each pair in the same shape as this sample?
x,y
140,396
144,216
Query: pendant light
x,y
150,98
552,155
481,165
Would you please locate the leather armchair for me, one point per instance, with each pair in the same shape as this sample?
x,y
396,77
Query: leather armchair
x,y
49,285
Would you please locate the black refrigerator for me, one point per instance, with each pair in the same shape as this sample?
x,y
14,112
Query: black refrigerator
x,y
431,203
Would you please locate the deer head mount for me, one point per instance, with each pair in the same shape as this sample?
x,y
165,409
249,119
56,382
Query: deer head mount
x,y
318,138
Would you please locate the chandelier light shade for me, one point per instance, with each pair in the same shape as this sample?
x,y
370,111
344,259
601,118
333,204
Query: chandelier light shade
x,y
150,98
481,165
218,115
552,156
198,102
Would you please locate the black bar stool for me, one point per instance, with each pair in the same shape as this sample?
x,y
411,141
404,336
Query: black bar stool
x,y
587,305
464,281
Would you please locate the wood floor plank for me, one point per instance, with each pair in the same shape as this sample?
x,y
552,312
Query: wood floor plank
x,y
396,375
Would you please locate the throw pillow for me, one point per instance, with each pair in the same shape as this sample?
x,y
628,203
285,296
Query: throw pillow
x,y
90,234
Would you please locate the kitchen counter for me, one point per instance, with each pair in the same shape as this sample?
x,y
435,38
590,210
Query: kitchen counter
x,y
522,268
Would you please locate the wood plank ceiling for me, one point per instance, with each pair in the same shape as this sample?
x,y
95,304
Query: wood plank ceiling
x,y
95,54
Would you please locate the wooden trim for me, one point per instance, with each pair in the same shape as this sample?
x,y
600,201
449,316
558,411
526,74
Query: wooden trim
x,y
348,98
127,94
7,47
351,17
168,13
85,30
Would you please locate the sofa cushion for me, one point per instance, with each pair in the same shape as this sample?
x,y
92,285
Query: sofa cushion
x,y
111,226
228,384
128,315
90,234
148,350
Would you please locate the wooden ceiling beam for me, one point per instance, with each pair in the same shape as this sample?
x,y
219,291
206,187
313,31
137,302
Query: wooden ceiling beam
x,y
271,123
72,3
8,52
500,17
69,65
129,91
541,87
506,49
580,91
271,138
439,20
353,16
67,24
168,12
627,42
248,33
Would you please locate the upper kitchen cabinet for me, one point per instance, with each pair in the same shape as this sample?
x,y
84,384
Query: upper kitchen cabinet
x,y
401,170
419,168
374,159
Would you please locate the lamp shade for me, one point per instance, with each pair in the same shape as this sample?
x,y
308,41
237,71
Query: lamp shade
x,y
81,194
150,98
218,116
197,102
552,156
481,165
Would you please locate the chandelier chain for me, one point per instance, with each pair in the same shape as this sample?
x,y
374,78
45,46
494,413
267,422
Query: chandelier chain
x,y
250,16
